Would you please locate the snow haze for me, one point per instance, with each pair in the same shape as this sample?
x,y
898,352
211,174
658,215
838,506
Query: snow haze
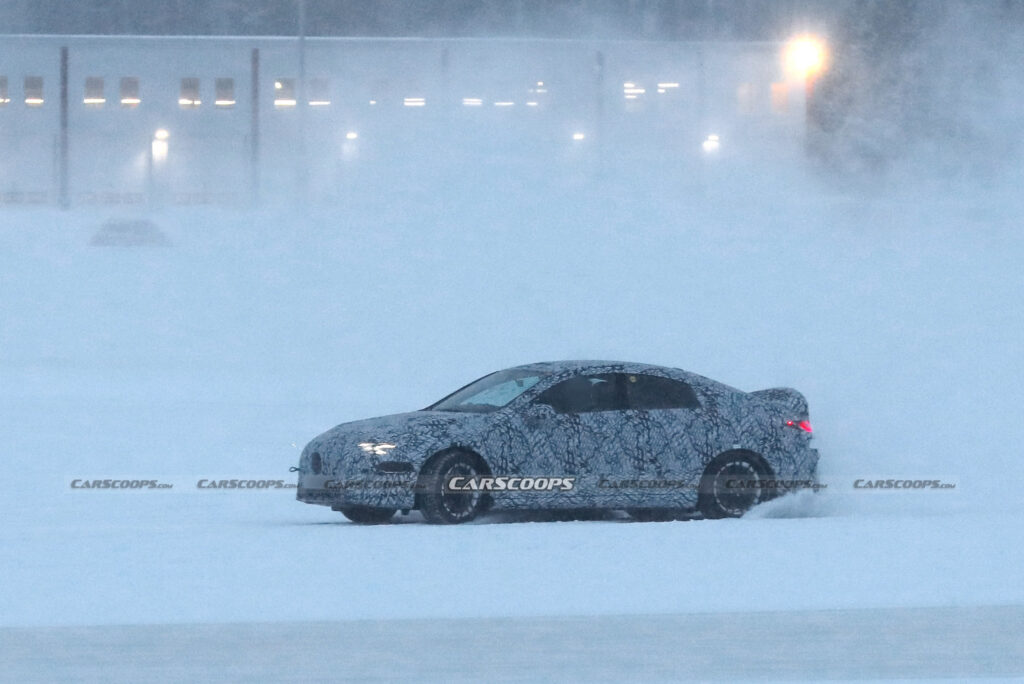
x,y
872,262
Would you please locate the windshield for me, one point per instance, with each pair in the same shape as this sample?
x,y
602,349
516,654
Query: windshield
x,y
490,392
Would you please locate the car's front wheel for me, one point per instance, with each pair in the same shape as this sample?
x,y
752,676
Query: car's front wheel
x,y
367,515
732,484
439,503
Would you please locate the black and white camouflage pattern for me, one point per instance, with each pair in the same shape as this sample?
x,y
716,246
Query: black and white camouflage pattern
x,y
619,459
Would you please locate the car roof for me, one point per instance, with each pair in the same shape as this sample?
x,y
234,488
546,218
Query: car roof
x,y
583,365
607,366
579,364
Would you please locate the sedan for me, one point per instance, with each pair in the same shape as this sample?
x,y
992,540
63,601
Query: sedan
x,y
659,443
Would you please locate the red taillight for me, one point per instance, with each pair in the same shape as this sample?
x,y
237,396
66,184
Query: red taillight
x,y
804,425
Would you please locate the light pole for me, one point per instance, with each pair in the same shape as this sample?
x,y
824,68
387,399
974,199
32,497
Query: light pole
x,y
157,157
301,103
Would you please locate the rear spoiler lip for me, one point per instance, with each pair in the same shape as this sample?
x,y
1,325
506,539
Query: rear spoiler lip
x,y
785,398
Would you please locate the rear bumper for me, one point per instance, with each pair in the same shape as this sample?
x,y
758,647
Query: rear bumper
x,y
795,470
818,486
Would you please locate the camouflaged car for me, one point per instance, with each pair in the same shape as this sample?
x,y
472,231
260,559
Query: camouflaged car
x,y
657,442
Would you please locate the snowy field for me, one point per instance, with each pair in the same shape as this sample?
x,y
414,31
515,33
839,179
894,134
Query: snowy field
x,y
871,645
896,309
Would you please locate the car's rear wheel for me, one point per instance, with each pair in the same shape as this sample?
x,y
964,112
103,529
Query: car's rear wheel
x,y
732,484
441,505
367,515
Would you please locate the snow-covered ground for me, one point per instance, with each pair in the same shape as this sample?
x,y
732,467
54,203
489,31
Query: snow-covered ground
x,y
896,310
107,558
868,645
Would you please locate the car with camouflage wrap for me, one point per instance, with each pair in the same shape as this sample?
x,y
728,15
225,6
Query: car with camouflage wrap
x,y
657,442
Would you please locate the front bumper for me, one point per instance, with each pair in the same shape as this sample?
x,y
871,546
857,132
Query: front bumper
x,y
377,490
345,475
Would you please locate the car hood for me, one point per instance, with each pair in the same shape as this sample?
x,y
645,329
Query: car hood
x,y
416,435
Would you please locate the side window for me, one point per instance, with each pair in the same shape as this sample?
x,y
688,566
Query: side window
x,y
586,394
4,99
647,392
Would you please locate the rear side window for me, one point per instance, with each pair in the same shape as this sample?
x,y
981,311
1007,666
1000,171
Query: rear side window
x,y
586,394
649,392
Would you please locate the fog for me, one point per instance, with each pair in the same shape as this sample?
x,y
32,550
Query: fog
x,y
194,315
927,88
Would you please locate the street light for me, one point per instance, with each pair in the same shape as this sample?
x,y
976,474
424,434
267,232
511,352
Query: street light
x,y
805,57
157,157
159,147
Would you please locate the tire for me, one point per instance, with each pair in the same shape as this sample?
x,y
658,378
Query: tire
x,y
367,515
438,504
717,498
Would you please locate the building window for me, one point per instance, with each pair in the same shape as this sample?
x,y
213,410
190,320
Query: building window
x,y
130,92
34,91
284,92
319,92
225,96
780,97
94,92
189,97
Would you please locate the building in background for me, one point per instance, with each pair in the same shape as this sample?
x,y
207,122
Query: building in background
x,y
173,115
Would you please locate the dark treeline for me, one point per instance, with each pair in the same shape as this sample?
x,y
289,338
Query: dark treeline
x,y
629,19
646,19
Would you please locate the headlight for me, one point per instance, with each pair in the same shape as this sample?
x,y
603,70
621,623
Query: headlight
x,y
376,448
